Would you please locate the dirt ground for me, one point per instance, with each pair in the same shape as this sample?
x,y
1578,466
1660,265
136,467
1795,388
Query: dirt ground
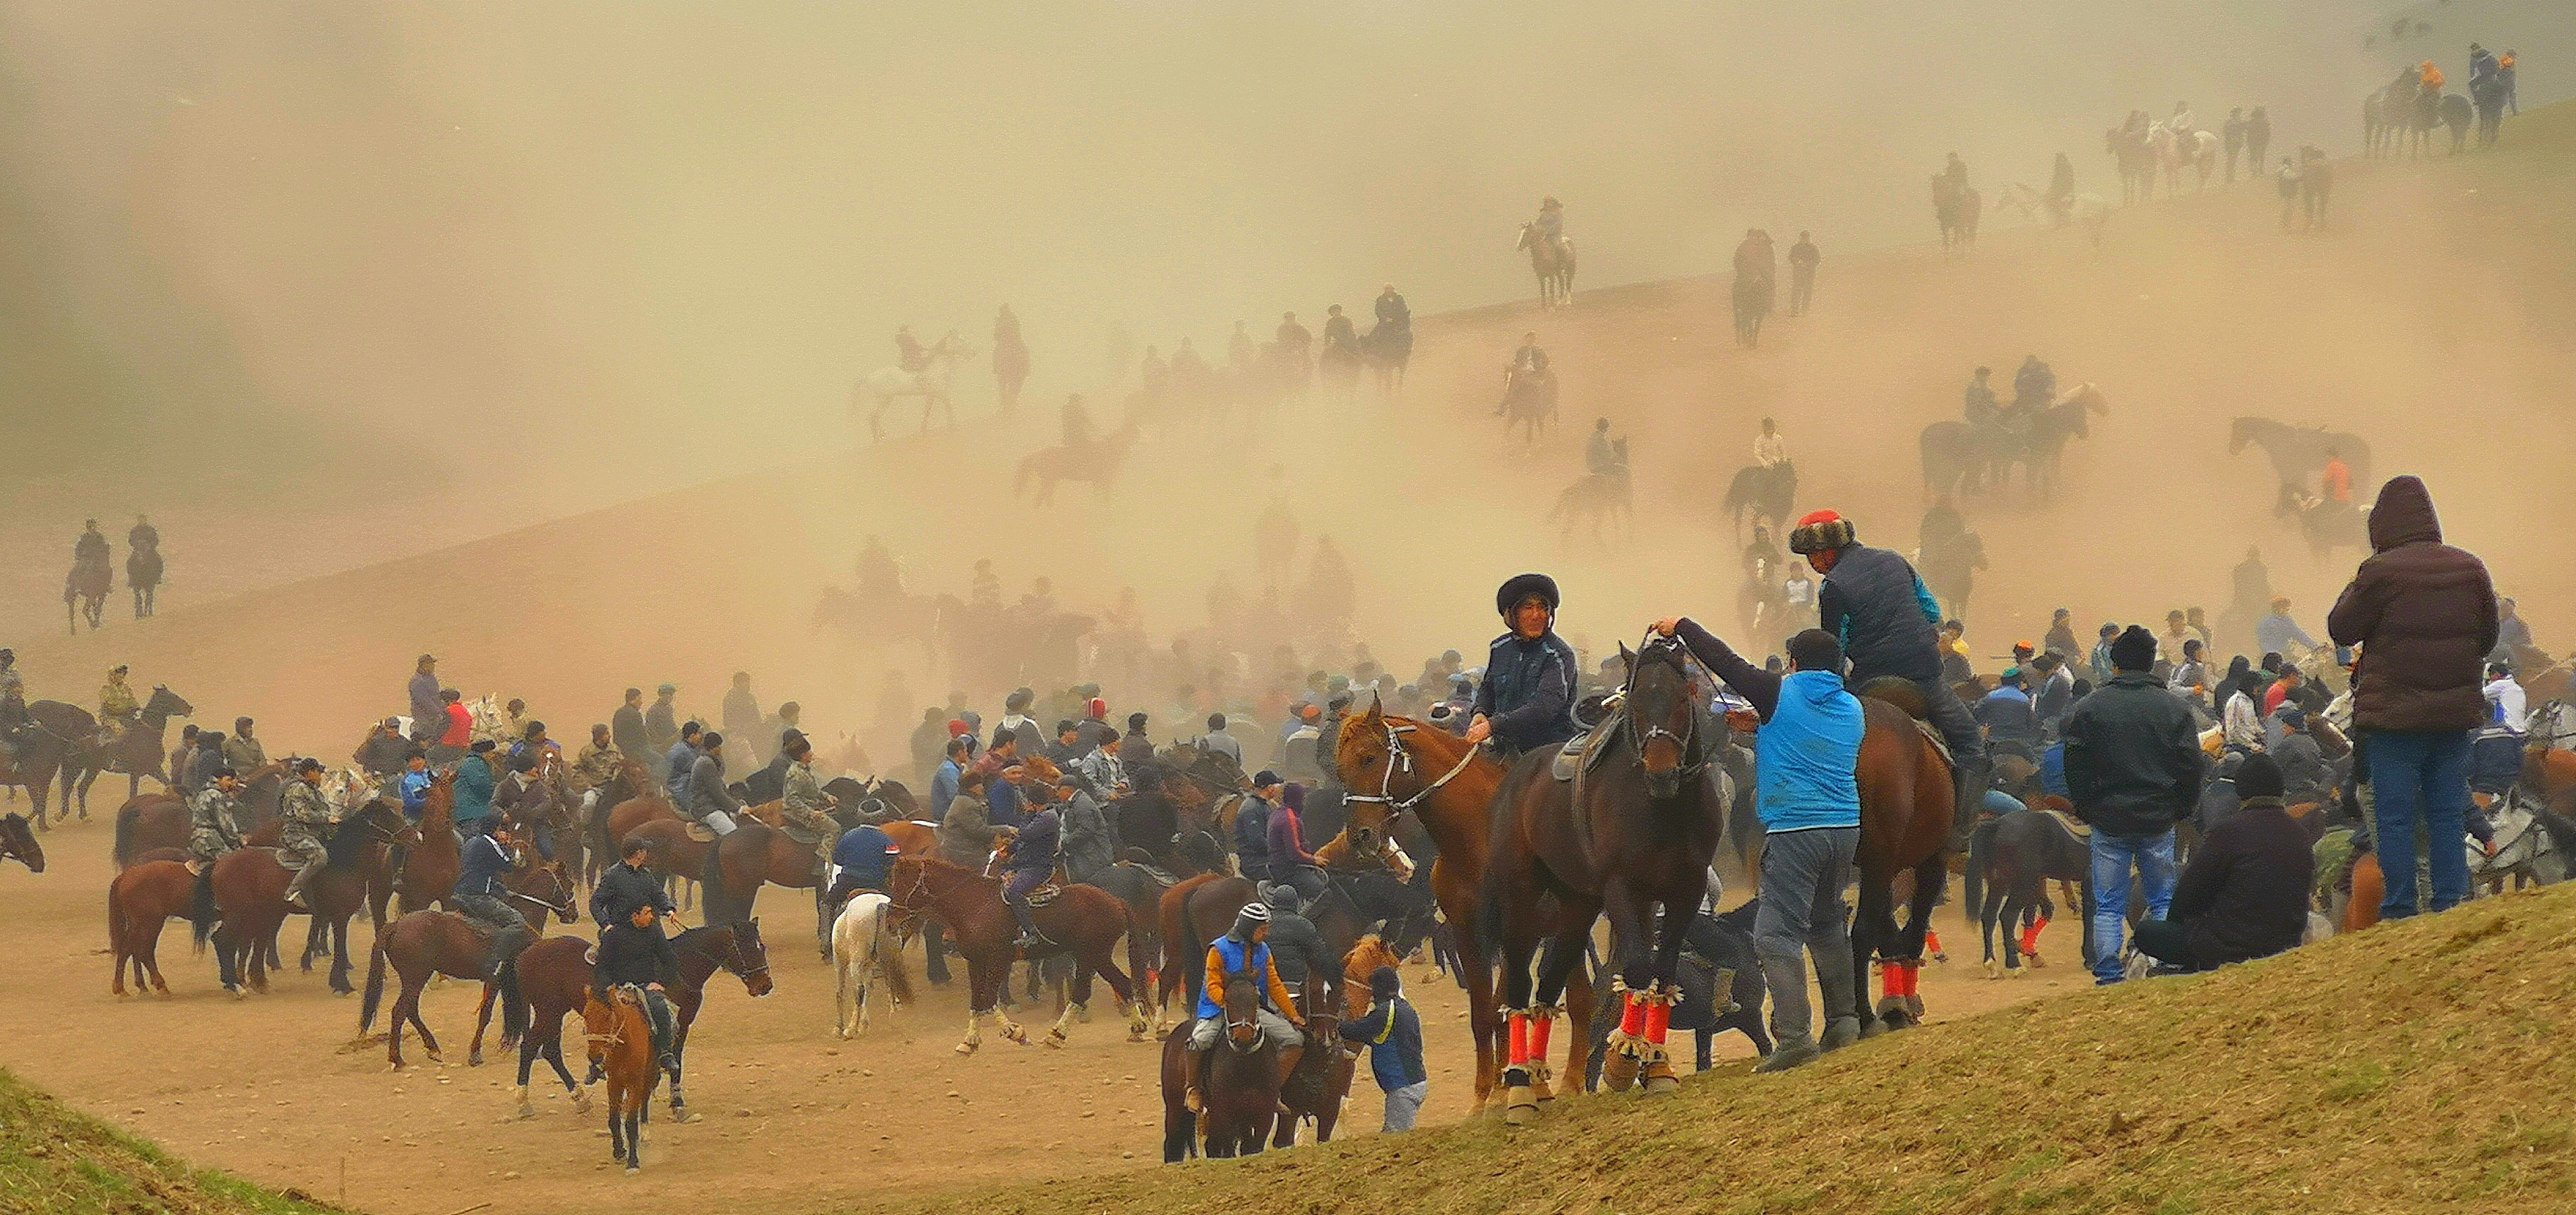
x,y
270,1087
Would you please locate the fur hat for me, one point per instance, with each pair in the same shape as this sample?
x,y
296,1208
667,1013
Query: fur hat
x,y
2133,650
1822,531
1521,586
2259,777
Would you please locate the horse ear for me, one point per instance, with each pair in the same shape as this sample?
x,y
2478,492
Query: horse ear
x,y
1376,711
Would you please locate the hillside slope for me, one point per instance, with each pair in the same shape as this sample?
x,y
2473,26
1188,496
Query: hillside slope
x,y
2418,1067
2422,317
58,1162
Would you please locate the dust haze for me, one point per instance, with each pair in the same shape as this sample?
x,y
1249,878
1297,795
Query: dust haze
x,y
326,286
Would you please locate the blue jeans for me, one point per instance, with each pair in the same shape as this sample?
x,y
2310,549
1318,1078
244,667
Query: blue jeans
x,y
2420,775
2113,858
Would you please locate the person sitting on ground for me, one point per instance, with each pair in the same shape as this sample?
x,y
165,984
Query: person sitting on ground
x,y
1242,955
1393,1033
2245,892
633,953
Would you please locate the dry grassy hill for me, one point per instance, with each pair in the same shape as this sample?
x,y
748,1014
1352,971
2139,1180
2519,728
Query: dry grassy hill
x,y
2417,1067
57,1162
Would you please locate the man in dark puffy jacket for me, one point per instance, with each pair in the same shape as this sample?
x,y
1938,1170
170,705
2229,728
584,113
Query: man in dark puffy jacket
x,y
1296,948
1527,698
2424,615
2133,768
2245,893
1879,609
1252,826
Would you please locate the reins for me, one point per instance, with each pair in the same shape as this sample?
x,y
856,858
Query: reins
x,y
1397,756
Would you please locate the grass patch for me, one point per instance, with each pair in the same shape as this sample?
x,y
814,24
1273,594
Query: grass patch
x,y
58,1162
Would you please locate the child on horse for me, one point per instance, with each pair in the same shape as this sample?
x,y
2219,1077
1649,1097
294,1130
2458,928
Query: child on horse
x,y
1242,955
1876,607
1527,698
1806,761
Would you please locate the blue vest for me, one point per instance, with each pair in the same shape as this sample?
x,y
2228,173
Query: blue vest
x,y
1806,757
1243,963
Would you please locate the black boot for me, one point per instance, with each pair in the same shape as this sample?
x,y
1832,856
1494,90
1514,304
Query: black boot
x,y
1030,938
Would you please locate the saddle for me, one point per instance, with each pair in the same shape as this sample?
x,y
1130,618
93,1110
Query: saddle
x,y
699,833
1583,752
1044,895
1161,876
2076,829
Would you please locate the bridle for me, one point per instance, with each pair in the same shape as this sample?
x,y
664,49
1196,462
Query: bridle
x,y
1687,740
1398,757
740,966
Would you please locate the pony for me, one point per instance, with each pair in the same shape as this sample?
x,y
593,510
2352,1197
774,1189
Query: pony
x,y
1239,1087
932,384
1597,499
1635,829
2137,162
137,751
1552,262
858,954
140,901
1386,349
1529,402
2016,856
2298,453
18,839
85,592
1752,297
621,1047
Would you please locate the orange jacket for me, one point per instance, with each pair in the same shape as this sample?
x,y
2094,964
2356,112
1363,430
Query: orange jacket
x,y
2338,481
1215,983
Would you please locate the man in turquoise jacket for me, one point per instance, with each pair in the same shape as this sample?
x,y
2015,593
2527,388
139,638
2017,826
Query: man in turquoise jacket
x,y
1807,756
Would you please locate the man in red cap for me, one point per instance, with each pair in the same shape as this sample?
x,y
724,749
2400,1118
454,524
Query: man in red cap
x,y
1878,608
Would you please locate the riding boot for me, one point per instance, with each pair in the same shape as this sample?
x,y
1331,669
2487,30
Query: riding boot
x,y
657,1011
1191,1062
1030,938
295,887
1792,1020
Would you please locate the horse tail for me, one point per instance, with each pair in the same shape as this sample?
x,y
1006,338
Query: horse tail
x,y
514,1004
889,955
1981,844
123,849
375,993
202,914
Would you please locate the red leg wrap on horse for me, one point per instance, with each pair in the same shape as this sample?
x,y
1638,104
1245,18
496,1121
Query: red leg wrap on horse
x,y
1539,1026
1659,1018
2030,936
1520,1039
1632,1014
1931,941
1913,978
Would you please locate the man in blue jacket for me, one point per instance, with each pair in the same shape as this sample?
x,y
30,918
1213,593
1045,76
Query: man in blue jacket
x,y
1807,756
1393,1033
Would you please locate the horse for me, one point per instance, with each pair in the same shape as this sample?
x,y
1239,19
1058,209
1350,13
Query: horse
x,y
1553,262
1238,1085
1762,495
143,576
2326,526
1081,920
2524,852
1597,499
2086,210
732,869
426,943
140,901
1752,297
85,592
1529,402
2016,856
2045,435
1906,811
1386,350
621,1048
1449,786
2163,141
136,751
1956,212
40,756
18,839
1714,947
553,978
859,953
2299,452
1634,830
1097,461
2137,163
1950,568
430,868
2432,109
2488,96
250,895
931,384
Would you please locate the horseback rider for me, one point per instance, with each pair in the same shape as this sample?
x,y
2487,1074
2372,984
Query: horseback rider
x,y
634,954
117,707
1392,314
2334,481
680,761
2012,725
1077,421
1242,955
2034,386
1941,526
15,720
213,830
480,897
305,818
1290,864
1980,408
1806,756
628,884
1252,826
243,753
1294,339
802,804
1770,448
865,859
1032,860
1527,698
595,766
1550,224
1877,607
909,353
1296,947
1601,456
143,537
90,551
1954,174
710,803
1338,330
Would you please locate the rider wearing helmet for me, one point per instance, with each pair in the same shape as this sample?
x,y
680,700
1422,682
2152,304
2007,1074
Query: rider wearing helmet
x,y
1527,698
1878,608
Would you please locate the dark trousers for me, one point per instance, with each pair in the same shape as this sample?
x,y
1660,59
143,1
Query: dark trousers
x,y
2163,941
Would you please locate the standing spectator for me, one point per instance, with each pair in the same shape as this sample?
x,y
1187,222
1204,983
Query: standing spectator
x,y
2245,893
2133,768
948,776
2100,660
2424,615
2286,182
1802,273
2258,139
1393,1034
627,730
428,716
2233,132
662,721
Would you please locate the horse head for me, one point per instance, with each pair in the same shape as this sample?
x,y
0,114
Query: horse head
x,y
1370,748
750,958
1662,715
1367,954
1243,1013
548,884
19,840
2241,432
166,704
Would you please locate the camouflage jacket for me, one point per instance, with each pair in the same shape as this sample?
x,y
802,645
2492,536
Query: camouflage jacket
x,y
115,700
594,767
212,830
304,817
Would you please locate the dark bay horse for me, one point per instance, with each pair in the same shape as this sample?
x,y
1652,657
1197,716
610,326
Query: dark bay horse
x,y
733,869
1083,921
18,839
553,977
85,592
1239,1087
2018,855
250,894
2298,453
1762,495
141,900
143,576
424,943
1449,786
137,752
1634,832
1906,810
40,757
431,867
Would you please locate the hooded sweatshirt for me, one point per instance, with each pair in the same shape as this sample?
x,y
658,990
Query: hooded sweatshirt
x,y
2424,614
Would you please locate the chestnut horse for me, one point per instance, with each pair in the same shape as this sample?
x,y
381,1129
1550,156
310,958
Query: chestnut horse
x,y
1906,810
423,943
621,1047
553,977
431,867
1084,921
751,854
1450,786
18,839
250,894
140,900
1635,831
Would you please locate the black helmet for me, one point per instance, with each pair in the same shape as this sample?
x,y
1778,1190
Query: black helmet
x,y
1522,586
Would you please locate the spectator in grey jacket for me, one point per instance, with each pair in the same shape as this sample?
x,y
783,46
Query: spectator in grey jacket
x,y
709,801
1090,843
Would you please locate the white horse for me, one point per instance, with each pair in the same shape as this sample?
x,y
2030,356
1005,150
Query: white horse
x,y
931,384
2202,153
2086,209
861,947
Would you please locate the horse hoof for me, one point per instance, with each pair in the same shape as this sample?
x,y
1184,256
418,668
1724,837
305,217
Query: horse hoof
x,y
967,1048
1619,1071
1871,1027
1662,1084
474,1059
1519,1107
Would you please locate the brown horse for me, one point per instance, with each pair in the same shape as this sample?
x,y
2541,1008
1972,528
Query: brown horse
x,y
137,751
430,868
250,895
1083,921
140,900
751,854
40,757
553,977
1634,832
1239,1084
18,839
426,943
149,822
621,1047
629,784
1449,786
1192,913
1906,809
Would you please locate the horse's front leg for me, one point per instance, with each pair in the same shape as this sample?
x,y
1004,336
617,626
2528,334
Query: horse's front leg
x,y
1667,972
